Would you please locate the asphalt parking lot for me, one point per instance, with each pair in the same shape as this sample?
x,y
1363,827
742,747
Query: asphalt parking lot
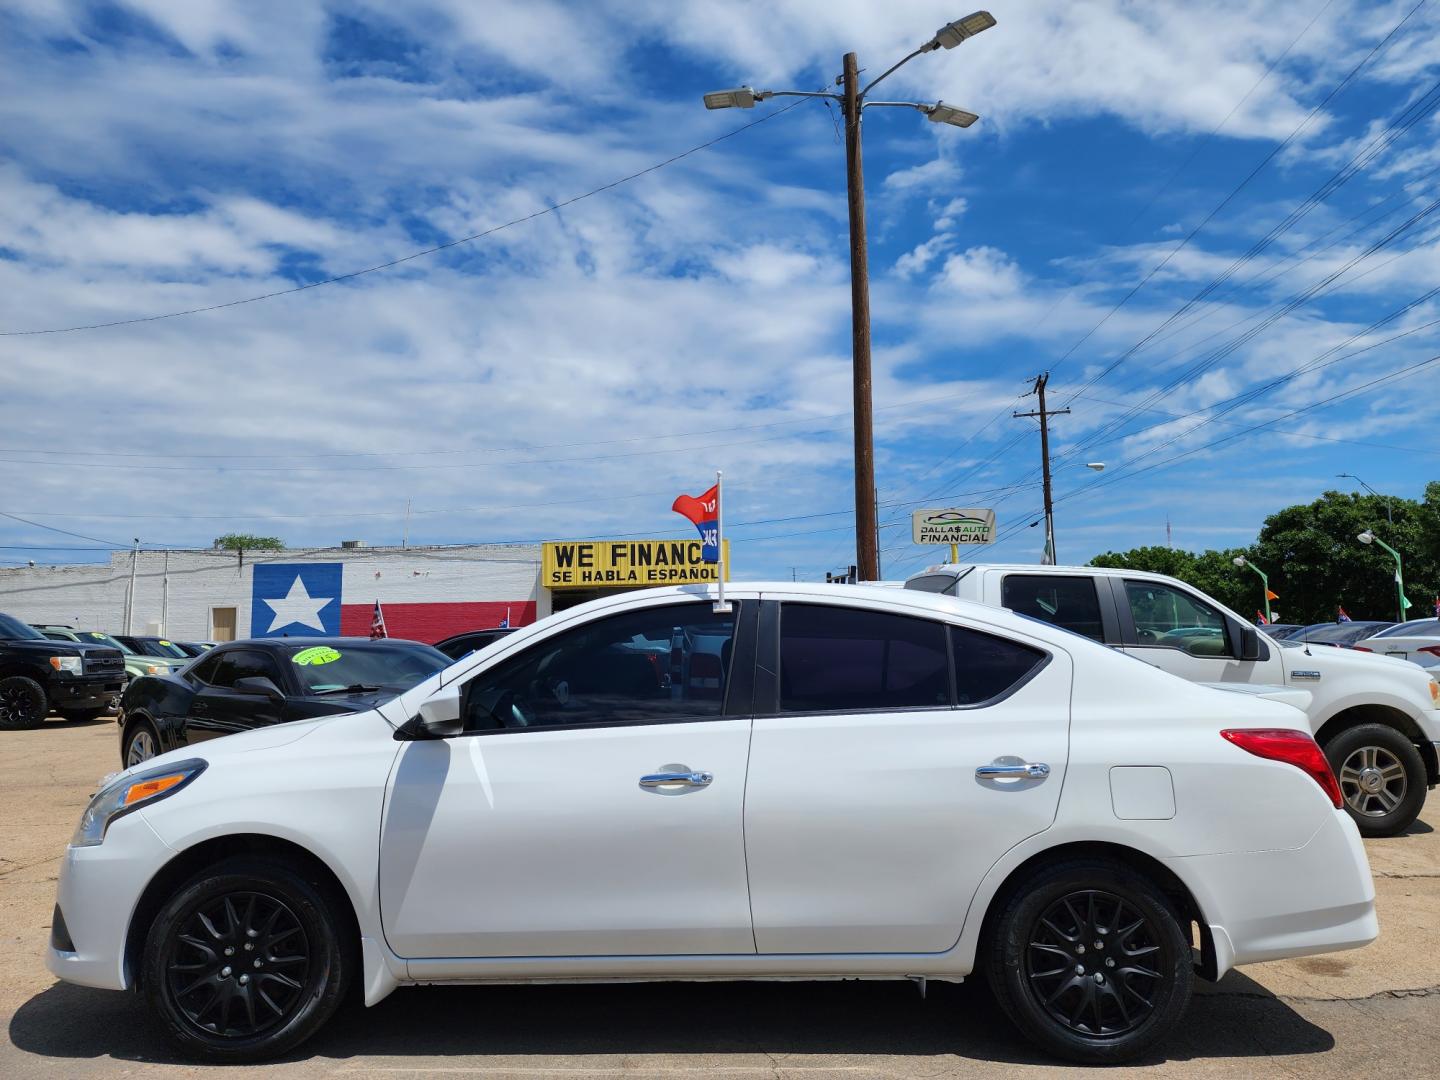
x,y
1373,1011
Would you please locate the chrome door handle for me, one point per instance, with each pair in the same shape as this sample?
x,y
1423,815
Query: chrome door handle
x,y
1037,770
662,779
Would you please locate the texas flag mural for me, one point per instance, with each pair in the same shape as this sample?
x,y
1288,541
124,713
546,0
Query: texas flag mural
x,y
704,514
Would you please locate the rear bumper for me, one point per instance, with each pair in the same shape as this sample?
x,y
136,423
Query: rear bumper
x,y
1268,905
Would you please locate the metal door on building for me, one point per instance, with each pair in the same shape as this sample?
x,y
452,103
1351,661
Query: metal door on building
x,y
222,624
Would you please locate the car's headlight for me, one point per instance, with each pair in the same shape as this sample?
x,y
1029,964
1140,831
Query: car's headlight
x,y
73,664
119,797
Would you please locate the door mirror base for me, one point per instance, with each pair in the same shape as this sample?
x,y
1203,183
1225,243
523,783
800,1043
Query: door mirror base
x,y
438,718
258,686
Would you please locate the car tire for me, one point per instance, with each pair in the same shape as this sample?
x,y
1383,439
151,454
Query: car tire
x,y
1382,777
79,716
23,704
141,743
1077,1001
285,973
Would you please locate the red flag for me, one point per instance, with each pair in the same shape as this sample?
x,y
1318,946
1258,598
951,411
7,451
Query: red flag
x,y
377,623
704,508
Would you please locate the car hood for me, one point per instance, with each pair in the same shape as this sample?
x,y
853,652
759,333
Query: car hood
x,y
48,647
1322,659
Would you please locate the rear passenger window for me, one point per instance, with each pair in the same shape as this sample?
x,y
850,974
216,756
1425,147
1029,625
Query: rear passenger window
x,y
836,659
987,667
1068,602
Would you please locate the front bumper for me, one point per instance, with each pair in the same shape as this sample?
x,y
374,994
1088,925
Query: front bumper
x,y
85,690
98,892
1269,905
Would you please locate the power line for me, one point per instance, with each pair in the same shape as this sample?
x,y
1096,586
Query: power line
x,y
416,254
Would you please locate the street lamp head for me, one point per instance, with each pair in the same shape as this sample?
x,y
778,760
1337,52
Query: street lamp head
x,y
1367,537
742,97
1095,466
952,34
940,113
1239,560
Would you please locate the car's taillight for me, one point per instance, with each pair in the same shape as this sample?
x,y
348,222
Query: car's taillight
x,y
1296,748
1361,648
1433,650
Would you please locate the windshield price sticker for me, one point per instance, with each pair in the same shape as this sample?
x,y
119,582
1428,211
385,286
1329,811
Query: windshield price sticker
x,y
953,526
316,654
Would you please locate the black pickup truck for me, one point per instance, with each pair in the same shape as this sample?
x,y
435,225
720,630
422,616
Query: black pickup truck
x,y
39,676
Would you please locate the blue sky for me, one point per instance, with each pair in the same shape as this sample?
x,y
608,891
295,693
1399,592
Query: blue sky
x,y
569,375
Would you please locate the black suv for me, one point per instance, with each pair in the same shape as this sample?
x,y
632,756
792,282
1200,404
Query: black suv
x,y
38,675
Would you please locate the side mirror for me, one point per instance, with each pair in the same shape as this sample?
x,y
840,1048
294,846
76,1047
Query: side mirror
x,y
439,716
258,686
1249,643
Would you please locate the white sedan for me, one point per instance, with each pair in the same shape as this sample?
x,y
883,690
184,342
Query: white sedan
x,y
822,782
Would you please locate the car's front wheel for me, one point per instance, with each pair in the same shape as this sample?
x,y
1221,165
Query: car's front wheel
x,y
246,961
1090,961
1382,777
141,743
22,703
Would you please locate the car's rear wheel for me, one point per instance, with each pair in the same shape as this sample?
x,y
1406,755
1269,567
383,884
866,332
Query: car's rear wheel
x,y
1382,777
246,961
1090,961
22,703
141,743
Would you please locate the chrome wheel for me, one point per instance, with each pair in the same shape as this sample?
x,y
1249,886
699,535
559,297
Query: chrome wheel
x,y
239,965
142,747
1094,964
1372,779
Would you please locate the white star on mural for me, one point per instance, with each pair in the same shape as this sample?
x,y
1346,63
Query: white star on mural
x,y
298,607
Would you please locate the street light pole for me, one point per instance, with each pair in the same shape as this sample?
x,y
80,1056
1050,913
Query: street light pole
x,y
1389,518
1240,560
853,104
1368,537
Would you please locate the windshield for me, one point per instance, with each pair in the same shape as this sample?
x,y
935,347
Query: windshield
x,y
95,637
14,630
392,667
161,647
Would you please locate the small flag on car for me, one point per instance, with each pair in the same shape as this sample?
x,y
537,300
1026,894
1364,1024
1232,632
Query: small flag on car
x,y
1342,617
704,514
1260,619
505,622
377,623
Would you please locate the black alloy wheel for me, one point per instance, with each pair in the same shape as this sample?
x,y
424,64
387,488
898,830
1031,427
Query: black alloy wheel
x,y
1090,959
1093,963
22,703
246,961
239,965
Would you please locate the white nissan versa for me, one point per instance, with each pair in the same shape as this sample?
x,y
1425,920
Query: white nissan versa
x,y
823,782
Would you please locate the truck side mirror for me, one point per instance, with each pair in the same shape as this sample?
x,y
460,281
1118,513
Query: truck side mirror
x,y
1249,643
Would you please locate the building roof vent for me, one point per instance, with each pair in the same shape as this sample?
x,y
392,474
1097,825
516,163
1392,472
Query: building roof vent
x,y
351,545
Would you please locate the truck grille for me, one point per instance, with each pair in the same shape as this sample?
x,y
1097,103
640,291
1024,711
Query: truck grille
x,y
104,663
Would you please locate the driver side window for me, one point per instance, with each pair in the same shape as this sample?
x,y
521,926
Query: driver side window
x,y
661,663
1168,618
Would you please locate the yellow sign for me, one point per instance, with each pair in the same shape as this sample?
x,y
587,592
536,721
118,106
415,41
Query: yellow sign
x,y
621,564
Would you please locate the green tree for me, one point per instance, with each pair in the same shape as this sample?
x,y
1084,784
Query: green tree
x,y
1212,572
246,542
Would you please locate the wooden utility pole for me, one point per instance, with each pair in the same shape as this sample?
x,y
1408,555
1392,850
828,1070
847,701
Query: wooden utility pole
x,y
867,548
1043,415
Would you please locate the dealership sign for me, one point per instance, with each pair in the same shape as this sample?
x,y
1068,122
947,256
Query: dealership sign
x,y
619,564
953,526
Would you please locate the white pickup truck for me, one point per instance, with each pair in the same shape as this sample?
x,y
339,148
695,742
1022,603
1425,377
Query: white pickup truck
x,y
1377,718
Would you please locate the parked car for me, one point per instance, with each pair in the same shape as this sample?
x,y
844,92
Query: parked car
x,y
821,781
472,641
135,663
1377,719
153,646
266,681
194,648
1342,635
1417,640
38,676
